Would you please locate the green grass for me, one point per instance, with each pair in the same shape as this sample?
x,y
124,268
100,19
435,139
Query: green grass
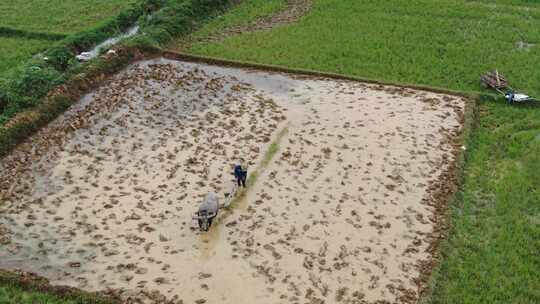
x,y
59,16
10,295
491,255
440,43
273,149
15,50
267,158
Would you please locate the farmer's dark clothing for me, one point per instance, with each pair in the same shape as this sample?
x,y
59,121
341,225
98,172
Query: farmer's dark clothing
x,y
240,175
510,96
237,171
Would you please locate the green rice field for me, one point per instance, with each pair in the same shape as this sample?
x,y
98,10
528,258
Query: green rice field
x,y
57,16
14,50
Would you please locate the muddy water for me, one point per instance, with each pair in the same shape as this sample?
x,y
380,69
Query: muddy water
x,y
337,216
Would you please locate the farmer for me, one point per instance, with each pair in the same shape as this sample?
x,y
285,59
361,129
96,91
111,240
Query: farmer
x,y
241,175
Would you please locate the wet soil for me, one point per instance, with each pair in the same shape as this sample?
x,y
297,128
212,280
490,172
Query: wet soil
x,y
346,212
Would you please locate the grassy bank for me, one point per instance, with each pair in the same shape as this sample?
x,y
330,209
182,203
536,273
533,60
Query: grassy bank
x,y
23,288
15,295
490,255
10,295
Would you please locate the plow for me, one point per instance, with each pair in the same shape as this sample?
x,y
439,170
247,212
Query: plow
x,y
497,82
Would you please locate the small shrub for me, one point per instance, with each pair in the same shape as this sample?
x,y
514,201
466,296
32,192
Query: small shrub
x,y
35,81
60,57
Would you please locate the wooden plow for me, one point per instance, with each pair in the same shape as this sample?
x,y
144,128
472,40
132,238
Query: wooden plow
x,y
495,81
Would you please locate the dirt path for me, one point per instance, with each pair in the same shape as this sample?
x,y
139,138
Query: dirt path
x,y
294,10
344,213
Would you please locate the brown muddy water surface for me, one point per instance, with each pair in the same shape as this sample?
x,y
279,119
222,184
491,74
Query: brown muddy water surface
x,y
342,213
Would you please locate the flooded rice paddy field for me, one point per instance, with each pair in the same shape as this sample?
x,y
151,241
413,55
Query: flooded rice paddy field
x,y
103,197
